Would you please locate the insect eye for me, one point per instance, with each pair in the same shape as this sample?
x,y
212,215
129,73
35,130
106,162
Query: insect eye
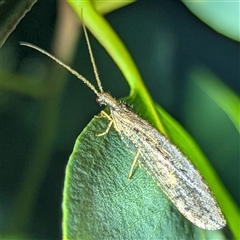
x,y
99,100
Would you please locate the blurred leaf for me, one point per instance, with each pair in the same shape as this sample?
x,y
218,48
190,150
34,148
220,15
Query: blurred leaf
x,y
15,236
109,6
11,12
220,93
222,16
21,84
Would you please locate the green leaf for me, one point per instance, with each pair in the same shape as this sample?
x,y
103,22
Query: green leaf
x,y
100,202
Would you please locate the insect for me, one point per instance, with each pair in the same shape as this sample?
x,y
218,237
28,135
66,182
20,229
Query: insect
x,y
167,165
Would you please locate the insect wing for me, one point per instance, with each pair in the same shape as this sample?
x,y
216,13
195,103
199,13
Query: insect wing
x,y
171,170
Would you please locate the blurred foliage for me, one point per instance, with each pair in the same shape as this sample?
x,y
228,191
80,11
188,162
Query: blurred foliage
x,y
223,16
220,93
11,12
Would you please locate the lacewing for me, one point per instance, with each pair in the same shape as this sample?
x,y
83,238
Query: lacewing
x,y
164,162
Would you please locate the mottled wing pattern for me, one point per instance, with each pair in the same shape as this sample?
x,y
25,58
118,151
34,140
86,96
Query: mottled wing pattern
x,y
171,170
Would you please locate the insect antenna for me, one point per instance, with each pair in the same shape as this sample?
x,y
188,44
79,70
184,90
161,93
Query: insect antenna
x,y
75,73
92,60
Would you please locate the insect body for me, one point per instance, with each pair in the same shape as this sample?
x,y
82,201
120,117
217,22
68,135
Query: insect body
x,y
170,168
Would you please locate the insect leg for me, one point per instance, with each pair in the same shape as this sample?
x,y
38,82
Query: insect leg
x,y
133,164
109,125
104,114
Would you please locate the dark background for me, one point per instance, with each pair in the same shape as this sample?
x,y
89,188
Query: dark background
x,y
166,42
